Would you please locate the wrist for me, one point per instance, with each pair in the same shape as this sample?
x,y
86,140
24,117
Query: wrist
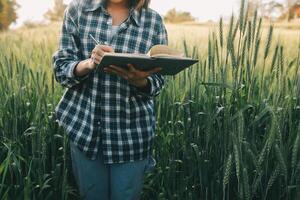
x,y
82,68
90,66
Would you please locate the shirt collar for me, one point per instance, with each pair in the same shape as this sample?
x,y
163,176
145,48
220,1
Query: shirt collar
x,y
95,4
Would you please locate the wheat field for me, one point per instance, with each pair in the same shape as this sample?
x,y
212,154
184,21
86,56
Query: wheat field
x,y
227,128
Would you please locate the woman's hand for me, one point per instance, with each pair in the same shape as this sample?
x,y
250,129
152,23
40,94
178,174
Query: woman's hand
x,y
134,76
88,65
98,53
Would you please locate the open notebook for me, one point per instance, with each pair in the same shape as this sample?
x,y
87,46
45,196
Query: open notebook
x,y
170,60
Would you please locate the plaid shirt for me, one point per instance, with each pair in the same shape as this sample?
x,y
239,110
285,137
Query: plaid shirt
x,y
101,107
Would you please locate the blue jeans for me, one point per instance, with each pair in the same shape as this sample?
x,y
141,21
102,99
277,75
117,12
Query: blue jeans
x,y
120,181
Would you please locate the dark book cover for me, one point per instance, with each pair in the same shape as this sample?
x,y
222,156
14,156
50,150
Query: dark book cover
x,y
170,65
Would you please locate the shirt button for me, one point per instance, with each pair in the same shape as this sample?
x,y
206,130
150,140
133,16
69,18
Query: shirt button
x,y
99,123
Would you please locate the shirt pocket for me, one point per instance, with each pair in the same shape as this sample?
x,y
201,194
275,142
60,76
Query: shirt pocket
x,y
87,43
94,28
135,40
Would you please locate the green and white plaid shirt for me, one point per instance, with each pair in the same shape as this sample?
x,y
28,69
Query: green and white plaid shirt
x,y
101,107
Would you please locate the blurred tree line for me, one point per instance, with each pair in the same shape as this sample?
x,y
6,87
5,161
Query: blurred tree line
x,y
174,16
8,13
275,10
57,12
270,9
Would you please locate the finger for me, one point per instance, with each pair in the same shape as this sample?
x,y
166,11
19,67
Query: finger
x,y
116,69
105,48
111,71
131,68
97,57
155,70
119,69
99,52
95,61
135,71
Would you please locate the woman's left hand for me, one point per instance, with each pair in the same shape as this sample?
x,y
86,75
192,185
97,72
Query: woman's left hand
x,y
134,76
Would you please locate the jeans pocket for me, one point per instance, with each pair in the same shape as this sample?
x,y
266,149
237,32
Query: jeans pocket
x,y
150,166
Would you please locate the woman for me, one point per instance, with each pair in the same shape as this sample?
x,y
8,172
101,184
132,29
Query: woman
x,y
108,115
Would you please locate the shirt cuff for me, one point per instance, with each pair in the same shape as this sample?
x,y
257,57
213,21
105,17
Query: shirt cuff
x,y
71,73
150,95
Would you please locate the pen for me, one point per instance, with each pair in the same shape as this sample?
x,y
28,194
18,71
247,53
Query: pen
x,y
96,42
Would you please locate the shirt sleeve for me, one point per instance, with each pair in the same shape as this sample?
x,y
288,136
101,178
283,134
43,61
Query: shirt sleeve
x,y
68,55
157,81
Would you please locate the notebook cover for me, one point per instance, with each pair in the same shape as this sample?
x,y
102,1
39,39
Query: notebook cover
x,y
170,66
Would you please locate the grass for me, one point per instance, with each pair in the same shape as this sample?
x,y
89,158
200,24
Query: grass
x,y
227,128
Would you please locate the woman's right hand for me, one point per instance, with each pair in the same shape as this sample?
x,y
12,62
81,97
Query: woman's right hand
x,y
98,53
88,65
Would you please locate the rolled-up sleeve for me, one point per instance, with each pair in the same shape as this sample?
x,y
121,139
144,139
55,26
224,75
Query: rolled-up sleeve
x,y
157,81
68,55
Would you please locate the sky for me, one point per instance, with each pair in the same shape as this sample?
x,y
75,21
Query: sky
x,y
202,9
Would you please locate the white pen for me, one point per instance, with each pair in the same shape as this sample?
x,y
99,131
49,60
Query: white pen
x,y
96,42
